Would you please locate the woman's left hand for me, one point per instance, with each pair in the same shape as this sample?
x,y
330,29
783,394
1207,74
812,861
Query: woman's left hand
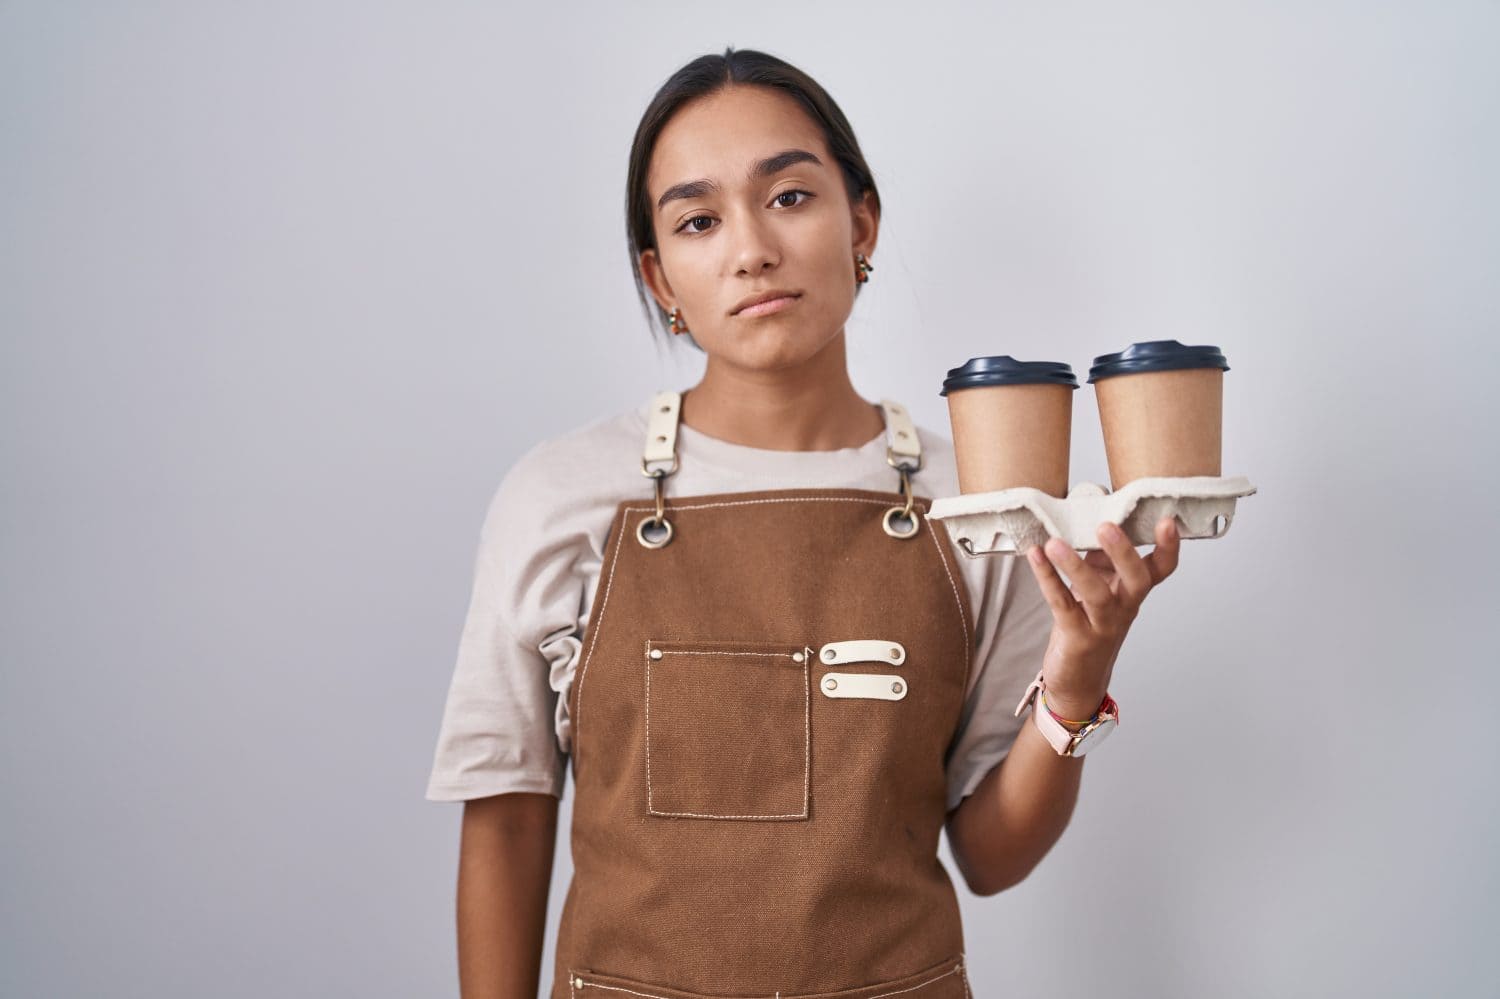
x,y
1090,620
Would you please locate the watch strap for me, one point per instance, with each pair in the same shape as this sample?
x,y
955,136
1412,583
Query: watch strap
x,y
1063,740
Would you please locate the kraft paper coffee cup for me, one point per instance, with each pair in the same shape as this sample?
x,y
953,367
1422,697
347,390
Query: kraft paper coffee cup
x,y
1161,409
1012,423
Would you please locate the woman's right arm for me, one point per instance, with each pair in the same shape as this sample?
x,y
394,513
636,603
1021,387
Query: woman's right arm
x,y
504,872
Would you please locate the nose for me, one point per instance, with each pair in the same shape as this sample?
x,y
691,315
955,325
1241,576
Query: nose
x,y
755,248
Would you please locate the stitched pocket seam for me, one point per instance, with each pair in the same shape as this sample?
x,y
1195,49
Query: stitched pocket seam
x,y
806,730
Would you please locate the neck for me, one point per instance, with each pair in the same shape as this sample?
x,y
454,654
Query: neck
x,y
812,407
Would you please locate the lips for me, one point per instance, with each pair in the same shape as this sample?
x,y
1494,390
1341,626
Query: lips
x,y
767,302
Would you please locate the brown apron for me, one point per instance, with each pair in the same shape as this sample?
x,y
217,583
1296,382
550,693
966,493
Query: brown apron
x,y
761,719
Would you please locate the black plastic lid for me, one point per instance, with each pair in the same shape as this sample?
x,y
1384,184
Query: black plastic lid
x,y
1156,355
1003,369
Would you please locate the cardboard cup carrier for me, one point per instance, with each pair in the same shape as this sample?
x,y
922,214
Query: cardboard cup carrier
x,y
1012,423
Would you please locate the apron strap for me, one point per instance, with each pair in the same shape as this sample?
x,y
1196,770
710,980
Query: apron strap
x,y
902,446
661,432
903,452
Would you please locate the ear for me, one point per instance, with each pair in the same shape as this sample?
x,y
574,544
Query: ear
x,y
866,224
656,279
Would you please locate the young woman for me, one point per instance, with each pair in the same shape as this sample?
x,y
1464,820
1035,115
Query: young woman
x,y
776,681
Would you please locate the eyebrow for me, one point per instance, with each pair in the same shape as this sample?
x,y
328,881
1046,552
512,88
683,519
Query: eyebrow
x,y
761,168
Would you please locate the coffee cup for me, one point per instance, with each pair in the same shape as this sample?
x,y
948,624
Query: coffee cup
x,y
1012,423
1161,409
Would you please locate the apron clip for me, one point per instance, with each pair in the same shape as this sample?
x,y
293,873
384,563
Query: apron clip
x,y
657,475
904,512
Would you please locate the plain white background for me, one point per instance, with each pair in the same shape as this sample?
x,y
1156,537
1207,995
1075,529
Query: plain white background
x,y
285,288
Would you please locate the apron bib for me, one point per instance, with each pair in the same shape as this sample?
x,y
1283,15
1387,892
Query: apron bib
x,y
761,718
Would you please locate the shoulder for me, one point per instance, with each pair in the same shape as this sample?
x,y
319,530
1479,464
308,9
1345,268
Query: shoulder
x,y
604,443
594,458
570,483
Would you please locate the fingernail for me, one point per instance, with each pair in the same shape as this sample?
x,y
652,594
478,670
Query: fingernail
x,y
1035,555
1110,530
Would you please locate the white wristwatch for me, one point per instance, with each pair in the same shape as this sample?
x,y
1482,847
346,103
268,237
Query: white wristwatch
x,y
1063,739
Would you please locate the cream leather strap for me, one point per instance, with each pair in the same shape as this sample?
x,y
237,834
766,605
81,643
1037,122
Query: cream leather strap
x,y
862,650
661,432
902,448
873,686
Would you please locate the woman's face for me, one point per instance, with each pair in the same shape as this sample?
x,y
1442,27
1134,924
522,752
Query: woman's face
x,y
754,202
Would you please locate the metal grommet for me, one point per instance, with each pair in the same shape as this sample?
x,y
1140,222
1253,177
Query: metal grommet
x,y
831,683
896,687
916,523
829,654
640,531
895,653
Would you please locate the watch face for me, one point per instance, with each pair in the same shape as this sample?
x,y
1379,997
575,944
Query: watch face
x,y
1095,736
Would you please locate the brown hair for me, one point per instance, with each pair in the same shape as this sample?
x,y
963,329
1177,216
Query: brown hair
x,y
706,75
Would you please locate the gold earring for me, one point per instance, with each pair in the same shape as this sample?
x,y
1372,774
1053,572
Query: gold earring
x,y
862,268
677,324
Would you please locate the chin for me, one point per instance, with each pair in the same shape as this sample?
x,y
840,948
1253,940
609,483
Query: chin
x,y
771,345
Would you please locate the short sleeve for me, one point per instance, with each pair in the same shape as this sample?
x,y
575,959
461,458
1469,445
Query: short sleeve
x,y
1011,642
523,628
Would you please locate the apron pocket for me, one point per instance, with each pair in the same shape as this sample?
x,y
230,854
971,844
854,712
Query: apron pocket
x,y
945,980
728,730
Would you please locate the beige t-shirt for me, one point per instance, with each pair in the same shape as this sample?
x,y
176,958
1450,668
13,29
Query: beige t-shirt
x,y
505,726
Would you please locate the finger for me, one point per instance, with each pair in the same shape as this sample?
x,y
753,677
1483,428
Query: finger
x,y
1099,559
1064,608
1135,578
1163,559
1089,586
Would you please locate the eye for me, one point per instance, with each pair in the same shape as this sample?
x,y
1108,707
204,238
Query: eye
x,y
696,218
794,190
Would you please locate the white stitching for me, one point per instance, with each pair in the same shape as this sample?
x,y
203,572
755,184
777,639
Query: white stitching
x,y
909,988
788,499
964,622
806,728
806,732
589,656
712,652
649,809
617,988
715,815
963,618
959,967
